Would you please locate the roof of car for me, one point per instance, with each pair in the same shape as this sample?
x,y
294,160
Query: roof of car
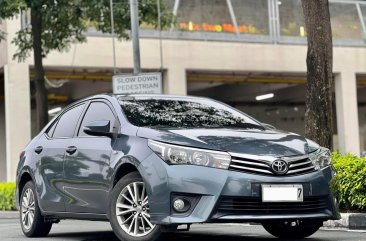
x,y
157,96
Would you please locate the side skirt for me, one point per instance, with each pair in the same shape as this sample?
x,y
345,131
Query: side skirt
x,y
77,216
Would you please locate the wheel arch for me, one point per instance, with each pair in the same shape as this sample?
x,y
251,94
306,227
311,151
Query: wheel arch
x,y
122,171
24,178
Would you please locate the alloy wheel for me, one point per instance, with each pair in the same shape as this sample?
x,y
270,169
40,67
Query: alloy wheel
x,y
132,210
28,209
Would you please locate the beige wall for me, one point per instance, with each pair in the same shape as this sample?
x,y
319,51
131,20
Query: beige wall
x,y
3,46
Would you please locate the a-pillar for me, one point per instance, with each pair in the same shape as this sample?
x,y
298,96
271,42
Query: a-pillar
x,y
175,81
17,114
347,112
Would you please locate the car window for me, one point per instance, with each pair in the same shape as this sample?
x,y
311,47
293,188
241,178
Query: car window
x,y
97,111
191,113
67,123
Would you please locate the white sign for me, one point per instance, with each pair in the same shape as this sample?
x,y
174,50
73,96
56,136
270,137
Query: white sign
x,y
147,83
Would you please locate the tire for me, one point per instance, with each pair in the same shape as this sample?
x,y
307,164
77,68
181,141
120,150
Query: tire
x,y
292,229
31,220
131,210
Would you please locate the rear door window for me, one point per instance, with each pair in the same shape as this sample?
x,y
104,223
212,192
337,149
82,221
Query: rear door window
x,y
67,122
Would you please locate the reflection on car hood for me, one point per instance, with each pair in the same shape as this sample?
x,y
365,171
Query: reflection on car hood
x,y
248,141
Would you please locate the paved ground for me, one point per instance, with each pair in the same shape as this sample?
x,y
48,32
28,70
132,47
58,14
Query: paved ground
x,y
99,231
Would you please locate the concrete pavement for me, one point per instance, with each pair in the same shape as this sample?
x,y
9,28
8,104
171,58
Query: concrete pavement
x,y
71,230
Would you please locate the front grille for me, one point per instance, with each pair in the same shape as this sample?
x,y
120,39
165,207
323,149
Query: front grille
x,y
255,206
297,165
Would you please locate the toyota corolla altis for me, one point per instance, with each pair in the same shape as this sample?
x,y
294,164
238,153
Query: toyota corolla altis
x,y
152,164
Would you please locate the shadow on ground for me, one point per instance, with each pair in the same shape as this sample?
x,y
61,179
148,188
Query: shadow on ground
x,y
191,236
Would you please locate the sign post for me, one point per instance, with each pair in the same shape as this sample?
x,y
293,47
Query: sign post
x,y
147,83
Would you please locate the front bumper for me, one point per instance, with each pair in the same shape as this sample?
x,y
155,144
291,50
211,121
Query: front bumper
x,y
230,196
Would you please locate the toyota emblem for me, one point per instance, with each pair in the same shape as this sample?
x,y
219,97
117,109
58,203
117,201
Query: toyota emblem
x,y
279,167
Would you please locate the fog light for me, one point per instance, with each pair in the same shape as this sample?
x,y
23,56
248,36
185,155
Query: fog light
x,y
179,205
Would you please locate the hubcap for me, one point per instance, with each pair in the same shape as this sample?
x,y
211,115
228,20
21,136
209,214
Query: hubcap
x,y
28,209
132,210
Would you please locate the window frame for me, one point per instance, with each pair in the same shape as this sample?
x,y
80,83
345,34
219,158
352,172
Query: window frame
x,y
56,122
116,125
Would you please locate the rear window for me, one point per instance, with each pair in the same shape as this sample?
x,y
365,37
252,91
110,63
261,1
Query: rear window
x,y
184,113
67,123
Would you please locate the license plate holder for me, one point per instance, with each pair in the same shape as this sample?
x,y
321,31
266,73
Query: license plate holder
x,y
282,193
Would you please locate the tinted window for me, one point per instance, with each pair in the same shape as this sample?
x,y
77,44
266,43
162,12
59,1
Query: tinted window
x,y
97,111
184,113
67,122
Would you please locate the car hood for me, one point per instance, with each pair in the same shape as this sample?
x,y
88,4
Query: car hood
x,y
247,141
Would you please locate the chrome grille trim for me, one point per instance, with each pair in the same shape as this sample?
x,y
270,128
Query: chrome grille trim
x,y
253,157
251,169
251,163
262,164
300,164
300,170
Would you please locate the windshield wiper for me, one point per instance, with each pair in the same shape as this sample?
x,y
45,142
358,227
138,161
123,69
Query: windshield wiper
x,y
245,126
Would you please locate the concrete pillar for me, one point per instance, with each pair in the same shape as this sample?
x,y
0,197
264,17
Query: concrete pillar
x,y
347,112
175,81
2,142
17,114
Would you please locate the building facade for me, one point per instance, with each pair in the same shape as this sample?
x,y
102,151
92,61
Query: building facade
x,y
230,50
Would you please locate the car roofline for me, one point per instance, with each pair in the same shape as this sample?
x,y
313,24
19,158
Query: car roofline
x,y
161,96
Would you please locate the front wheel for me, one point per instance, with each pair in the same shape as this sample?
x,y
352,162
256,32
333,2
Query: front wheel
x,y
292,229
129,210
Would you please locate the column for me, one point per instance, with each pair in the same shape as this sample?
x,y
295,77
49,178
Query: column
x,y
17,114
175,81
347,112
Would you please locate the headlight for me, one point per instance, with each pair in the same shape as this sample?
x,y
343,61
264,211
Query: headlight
x,y
321,158
176,155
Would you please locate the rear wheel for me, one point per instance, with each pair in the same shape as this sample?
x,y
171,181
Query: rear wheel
x,y
129,210
32,222
292,229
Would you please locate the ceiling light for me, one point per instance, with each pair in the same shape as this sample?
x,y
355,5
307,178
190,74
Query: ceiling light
x,y
264,97
54,111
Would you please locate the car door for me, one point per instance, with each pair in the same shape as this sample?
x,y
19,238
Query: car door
x,y
50,150
87,167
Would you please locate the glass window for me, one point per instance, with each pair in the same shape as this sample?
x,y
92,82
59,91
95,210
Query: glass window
x,y
97,111
251,16
345,21
204,16
67,123
191,113
166,7
292,22
363,11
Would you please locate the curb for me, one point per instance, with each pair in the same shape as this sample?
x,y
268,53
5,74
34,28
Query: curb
x,y
353,221
9,214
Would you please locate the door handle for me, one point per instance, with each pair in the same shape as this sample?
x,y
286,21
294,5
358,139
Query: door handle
x,y
38,149
71,150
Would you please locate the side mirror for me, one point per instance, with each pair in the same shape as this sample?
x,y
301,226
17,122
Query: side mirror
x,y
268,126
98,128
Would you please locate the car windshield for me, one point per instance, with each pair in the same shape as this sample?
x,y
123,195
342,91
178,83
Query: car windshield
x,y
188,113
